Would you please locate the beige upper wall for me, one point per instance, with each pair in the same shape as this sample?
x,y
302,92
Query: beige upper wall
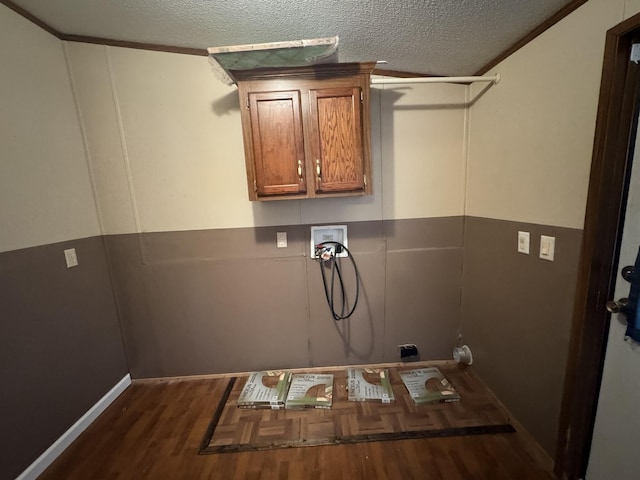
x,y
165,143
45,190
532,134
92,85
423,150
631,7
166,146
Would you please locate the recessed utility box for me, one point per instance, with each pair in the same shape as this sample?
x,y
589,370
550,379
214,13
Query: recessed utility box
x,y
329,233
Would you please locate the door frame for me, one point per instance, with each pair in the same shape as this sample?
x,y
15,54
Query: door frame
x,y
604,217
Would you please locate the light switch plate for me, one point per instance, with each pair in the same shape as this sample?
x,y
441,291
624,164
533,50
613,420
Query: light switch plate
x,y
524,242
547,247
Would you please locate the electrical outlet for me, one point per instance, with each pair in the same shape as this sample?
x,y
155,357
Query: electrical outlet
x,y
281,239
71,257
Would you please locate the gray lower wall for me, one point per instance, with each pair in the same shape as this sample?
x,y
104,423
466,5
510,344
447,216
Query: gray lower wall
x,y
209,301
516,317
200,302
60,347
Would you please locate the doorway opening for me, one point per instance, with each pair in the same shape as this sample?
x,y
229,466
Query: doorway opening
x,y
606,201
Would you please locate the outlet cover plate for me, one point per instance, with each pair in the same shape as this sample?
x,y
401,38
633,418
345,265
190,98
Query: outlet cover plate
x,y
71,257
523,242
281,239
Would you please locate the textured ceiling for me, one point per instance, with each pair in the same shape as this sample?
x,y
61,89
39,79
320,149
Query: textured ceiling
x,y
443,37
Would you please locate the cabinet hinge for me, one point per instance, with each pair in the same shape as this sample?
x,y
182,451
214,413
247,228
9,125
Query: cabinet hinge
x,y
361,96
255,186
365,180
246,101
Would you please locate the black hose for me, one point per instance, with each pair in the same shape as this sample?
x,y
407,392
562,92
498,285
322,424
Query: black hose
x,y
335,268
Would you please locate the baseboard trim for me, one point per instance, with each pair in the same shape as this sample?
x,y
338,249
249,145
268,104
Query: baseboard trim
x,y
43,461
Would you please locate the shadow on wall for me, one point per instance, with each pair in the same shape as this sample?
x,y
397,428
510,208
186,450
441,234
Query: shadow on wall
x,y
343,329
226,104
387,99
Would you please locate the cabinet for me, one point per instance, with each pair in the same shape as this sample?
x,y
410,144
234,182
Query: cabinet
x,y
306,130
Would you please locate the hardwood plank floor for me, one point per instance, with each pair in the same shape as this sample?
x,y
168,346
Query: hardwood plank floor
x,y
154,429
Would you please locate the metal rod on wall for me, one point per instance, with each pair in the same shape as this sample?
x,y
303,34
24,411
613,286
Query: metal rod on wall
x,y
472,79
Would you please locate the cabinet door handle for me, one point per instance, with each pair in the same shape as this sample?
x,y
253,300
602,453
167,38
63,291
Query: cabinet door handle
x,y
318,167
300,169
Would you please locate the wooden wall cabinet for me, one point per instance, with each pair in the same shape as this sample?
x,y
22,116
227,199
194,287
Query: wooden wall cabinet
x,y
306,130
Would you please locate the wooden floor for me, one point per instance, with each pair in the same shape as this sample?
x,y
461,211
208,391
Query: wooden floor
x,y
154,429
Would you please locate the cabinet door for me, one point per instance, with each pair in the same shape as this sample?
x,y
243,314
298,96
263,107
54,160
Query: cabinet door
x,y
336,139
278,145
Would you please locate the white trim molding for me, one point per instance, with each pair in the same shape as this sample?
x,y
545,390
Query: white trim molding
x,y
43,461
